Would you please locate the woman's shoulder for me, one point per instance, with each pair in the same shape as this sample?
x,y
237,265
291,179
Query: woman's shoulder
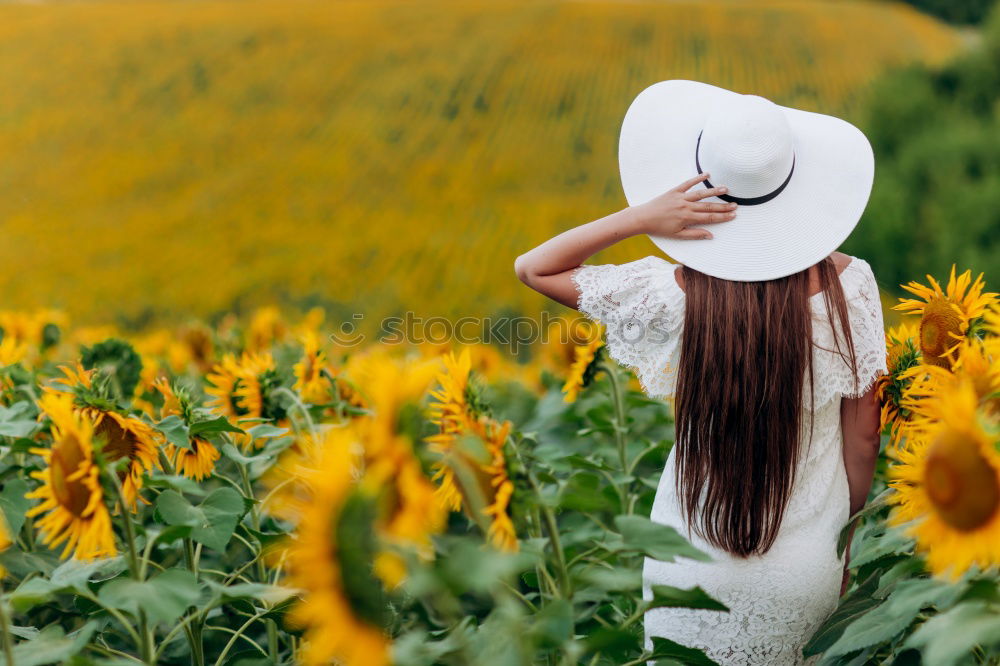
x,y
857,277
645,277
641,293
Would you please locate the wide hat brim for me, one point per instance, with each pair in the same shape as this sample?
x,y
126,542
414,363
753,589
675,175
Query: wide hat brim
x,y
809,219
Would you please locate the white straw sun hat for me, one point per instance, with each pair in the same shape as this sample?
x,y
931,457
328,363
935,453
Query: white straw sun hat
x,y
800,179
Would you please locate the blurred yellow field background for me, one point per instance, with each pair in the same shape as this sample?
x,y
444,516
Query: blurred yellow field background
x,y
165,159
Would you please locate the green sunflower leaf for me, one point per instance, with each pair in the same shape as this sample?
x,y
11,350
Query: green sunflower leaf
x,y
655,540
664,648
175,430
71,576
52,645
18,420
212,522
269,595
668,596
894,615
266,431
948,637
15,504
164,596
214,426
854,606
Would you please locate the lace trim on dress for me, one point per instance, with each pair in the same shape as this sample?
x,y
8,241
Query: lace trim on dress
x,y
641,307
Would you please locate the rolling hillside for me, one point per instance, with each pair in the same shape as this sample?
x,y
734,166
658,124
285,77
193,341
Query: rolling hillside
x,y
165,158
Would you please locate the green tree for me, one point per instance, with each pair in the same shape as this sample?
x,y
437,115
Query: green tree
x,y
956,11
936,136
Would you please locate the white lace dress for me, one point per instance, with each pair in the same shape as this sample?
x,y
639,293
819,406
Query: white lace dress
x,y
779,599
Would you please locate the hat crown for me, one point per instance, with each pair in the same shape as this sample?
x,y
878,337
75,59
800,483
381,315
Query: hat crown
x,y
747,145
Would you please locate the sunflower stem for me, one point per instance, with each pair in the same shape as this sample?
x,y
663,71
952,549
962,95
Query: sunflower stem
x,y
238,634
182,626
302,408
541,570
552,527
619,405
115,613
272,627
194,631
145,644
8,640
126,520
534,525
165,462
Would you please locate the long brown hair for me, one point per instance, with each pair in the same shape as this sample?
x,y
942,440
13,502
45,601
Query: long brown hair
x,y
738,405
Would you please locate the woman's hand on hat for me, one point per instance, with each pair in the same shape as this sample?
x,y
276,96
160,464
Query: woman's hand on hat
x,y
672,213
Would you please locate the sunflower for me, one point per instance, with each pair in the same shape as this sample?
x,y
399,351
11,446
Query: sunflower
x,y
393,389
266,328
312,321
123,436
501,532
12,350
901,355
197,461
408,510
287,481
485,488
451,414
130,438
197,340
562,337
223,380
346,392
71,493
946,315
241,390
991,321
973,365
29,336
342,610
257,376
581,373
949,486
384,437
171,402
310,382
905,474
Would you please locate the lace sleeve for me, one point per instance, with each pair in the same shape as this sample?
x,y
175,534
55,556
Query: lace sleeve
x,y
864,309
642,311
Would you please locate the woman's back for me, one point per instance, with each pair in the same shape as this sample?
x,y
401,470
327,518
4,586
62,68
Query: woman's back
x,y
642,306
763,193
777,599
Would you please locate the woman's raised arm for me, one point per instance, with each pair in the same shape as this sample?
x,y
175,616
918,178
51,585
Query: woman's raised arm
x,y
547,268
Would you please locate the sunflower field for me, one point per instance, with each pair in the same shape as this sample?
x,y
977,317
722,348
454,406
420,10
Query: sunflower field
x,y
253,493
351,153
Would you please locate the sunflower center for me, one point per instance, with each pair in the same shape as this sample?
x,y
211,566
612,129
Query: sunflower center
x,y
961,483
119,443
71,495
939,327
